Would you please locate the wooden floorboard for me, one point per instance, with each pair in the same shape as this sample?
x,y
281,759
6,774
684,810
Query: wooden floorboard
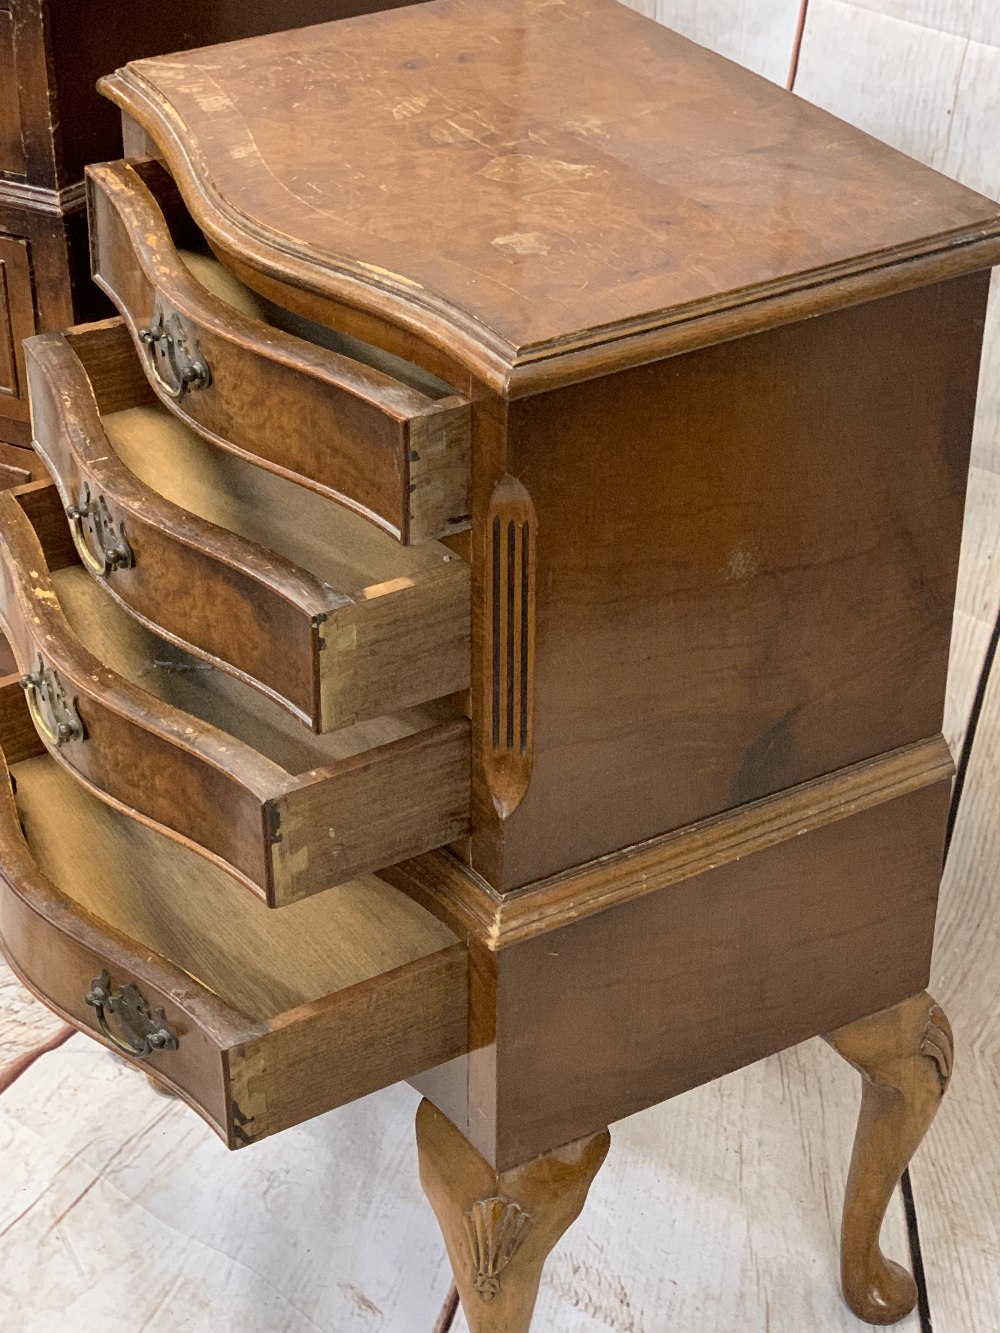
x,y
121,1210
717,1211
955,1178
25,1025
924,77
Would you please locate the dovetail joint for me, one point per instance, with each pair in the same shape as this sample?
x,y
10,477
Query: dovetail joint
x,y
240,1122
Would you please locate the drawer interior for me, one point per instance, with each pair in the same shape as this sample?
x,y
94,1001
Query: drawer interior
x,y
135,652
338,547
196,255
170,901
203,266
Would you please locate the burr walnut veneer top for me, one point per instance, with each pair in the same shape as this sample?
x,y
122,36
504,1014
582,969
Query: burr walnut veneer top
x,y
521,180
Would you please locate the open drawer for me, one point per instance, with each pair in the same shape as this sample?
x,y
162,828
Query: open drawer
x,y
269,580
208,760
258,1019
392,444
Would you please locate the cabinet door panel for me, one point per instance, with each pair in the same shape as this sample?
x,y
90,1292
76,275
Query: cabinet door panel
x,y
17,321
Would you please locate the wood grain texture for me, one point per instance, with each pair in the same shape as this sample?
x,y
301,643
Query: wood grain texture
x,y
229,560
20,739
710,627
16,466
598,993
503,919
11,139
923,76
261,963
61,55
388,451
346,996
569,215
201,757
52,123
719,1209
954,1175
752,1291
43,508
406,1020
17,321
715,973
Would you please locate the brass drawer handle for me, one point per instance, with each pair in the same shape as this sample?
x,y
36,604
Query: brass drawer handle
x,y
54,715
182,357
116,553
144,1029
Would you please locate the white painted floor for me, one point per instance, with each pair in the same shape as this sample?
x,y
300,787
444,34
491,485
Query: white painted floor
x,y
121,1210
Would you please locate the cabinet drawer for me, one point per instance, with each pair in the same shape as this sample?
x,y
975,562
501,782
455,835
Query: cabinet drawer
x,y
209,761
258,1019
372,441
266,579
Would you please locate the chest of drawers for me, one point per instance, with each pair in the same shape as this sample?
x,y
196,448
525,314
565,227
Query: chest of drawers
x,y
510,529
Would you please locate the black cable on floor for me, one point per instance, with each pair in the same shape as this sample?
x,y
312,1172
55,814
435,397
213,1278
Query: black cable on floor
x,y
970,735
916,1254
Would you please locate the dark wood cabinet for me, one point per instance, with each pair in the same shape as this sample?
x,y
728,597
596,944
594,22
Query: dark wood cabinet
x,y
53,123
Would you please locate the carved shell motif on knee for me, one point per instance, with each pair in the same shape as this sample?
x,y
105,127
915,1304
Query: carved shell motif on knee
x,y
495,1229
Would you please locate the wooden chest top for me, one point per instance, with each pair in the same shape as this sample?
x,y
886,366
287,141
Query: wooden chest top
x,y
522,181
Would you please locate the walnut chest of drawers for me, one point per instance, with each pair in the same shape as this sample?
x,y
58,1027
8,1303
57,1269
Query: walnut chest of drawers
x,y
511,531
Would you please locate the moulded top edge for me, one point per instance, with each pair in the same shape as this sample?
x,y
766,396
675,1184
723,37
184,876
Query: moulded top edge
x,y
545,189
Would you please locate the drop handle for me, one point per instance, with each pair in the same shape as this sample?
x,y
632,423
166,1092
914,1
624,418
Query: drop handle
x,y
165,343
115,550
143,1029
53,713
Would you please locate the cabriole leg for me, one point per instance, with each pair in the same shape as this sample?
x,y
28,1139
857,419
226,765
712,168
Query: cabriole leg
x,y
904,1056
500,1228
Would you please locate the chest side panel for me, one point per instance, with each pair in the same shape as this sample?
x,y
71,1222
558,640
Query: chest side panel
x,y
746,564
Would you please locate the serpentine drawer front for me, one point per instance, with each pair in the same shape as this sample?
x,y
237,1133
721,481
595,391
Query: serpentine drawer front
x,y
211,762
364,437
258,1019
264,578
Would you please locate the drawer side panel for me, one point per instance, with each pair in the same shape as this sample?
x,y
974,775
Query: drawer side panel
x,y
324,1055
